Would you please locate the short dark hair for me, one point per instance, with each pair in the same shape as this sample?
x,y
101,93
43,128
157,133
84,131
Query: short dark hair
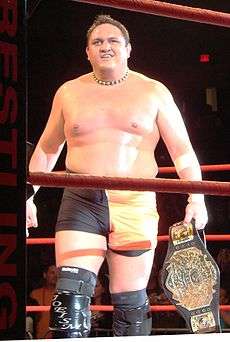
x,y
46,267
107,19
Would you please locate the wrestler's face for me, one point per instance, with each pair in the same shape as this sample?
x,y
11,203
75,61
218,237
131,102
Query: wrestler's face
x,y
107,48
51,276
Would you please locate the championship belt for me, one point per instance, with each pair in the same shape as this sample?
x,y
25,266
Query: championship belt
x,y
191,278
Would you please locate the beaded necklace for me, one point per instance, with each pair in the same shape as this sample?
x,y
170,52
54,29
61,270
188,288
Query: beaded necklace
x,y
111,83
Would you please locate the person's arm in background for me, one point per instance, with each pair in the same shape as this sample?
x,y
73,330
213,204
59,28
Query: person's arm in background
x,y
47,151
173,131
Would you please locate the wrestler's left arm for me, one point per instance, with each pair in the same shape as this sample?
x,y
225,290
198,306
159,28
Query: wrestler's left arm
x,y
173,132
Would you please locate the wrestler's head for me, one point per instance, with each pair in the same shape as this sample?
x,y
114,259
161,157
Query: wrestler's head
x,y
106,19
50,276
108,47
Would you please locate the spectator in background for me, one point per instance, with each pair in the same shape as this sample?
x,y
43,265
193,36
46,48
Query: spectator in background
x,y
43,295
97,316
102,320
223,261
30,320
98,293
224,315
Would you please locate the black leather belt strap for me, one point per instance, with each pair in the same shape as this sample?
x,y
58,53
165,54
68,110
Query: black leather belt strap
x,y
191,278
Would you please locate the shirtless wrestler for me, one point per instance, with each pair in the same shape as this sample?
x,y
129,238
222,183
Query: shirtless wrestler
x,y
111,119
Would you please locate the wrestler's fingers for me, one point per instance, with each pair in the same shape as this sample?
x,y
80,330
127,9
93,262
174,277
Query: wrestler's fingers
x,y
201,221
34,222
31,213
28,224
188,216
31,222
199,224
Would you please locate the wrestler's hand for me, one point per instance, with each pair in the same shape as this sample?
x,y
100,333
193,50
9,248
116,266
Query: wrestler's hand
x,y
196,210
31,213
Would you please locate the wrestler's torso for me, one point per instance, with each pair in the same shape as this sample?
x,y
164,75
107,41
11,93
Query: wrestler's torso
x,y
111,130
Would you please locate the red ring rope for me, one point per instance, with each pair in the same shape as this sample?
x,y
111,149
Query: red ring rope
x,y
165,9
41,308
55,179
204,168
47,241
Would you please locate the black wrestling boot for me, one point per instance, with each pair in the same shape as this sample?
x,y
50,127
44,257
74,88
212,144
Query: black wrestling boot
x,y
67,334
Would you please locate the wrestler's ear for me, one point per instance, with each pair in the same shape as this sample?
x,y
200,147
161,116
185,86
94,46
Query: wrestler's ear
x,y
129,49
87,52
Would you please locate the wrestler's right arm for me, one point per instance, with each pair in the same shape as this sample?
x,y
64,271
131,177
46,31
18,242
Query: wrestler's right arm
x,y
47,151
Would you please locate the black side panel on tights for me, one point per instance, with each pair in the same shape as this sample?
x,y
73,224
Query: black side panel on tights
x,y
84,210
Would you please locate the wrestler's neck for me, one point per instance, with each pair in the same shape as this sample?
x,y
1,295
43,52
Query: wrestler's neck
x,y
110,74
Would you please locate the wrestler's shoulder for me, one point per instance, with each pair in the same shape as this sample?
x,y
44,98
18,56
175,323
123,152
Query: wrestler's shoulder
x,y
36,292
151,82
72,84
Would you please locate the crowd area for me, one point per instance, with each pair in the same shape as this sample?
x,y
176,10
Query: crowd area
x,y
40,291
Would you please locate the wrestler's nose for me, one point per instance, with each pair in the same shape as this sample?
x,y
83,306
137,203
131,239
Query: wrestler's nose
x,y
105,46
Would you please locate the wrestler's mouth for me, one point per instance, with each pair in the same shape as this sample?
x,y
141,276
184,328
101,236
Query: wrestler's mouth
x,y
107,56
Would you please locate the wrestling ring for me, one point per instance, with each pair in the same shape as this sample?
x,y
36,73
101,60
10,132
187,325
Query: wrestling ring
x,y
61,179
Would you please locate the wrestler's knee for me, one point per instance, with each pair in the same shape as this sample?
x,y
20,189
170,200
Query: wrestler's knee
x,y
132,316
70,307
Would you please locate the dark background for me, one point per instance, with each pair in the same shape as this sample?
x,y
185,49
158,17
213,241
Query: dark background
x,y
162,48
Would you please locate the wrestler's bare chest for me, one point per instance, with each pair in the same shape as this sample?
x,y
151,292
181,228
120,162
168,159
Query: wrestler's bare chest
x,y
100,111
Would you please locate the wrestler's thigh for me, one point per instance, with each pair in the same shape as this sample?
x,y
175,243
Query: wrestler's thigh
x,y
129,273
80,249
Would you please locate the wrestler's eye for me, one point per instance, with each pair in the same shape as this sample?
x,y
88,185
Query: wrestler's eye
x,y
97,42
115,41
